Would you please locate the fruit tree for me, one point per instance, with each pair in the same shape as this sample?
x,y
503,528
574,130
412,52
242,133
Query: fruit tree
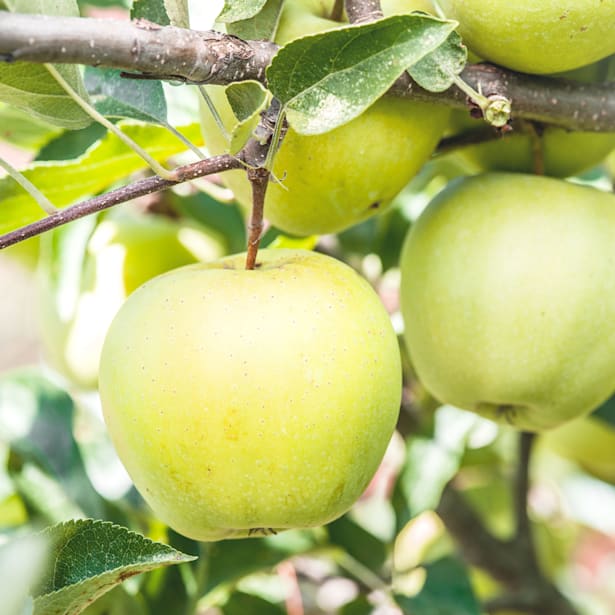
x,y
324,304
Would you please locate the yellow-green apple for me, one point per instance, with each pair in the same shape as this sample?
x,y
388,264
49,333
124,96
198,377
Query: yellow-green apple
x,y
331,181
588,441
79,300
248,401
541,37
508,298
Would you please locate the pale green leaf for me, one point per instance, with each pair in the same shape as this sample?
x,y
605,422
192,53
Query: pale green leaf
x,y
88,558
262,26
177,10
103,164
152,10
236,10
20,128
32,88
436,71
247,100
326,80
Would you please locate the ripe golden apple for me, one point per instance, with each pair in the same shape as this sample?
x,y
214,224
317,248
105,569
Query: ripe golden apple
x,y
78,300
531,36
331,181
244,402
508,298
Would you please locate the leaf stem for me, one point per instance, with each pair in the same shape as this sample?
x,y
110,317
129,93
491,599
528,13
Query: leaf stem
x,y
44,203
95,115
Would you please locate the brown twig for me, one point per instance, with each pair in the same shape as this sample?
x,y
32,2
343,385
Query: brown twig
x,y
210,57
216,164
259,179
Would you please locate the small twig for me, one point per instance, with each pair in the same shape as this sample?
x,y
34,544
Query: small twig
x,y
216,164
363,11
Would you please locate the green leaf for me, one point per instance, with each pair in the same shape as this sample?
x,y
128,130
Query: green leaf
x,y
102,165
262,26
606,412
152,10
21,129
177,10
358,543
237,10
436,71
326,80
241,603
135,99
32,88
88,558
447,591
72,143
247,100
36,420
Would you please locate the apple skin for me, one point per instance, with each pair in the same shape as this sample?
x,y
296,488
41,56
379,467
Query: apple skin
x,y
332,181
508,298
589,442
123,252
247,401
536,37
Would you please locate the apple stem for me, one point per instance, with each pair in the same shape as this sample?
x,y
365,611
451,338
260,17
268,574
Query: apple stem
x,y
337,12
538,158
259,179
523,532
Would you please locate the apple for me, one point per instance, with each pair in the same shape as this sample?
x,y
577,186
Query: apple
x,y
244,402
508,298
588,441
536,37
79,300
332,181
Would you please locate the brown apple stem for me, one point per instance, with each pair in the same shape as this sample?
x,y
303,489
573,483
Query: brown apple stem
x,y
363,11
337,12
523,529
259,179
538,155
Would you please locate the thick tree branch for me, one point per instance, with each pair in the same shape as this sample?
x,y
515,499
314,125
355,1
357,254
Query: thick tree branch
x,y
217,164
210,57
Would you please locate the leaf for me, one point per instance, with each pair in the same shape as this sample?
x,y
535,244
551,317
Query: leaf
x,y
241,603
107,162
247,100
36,420
32,88
447,591
358,543
606,412
326,80
72,143
262,26
87,558
237,10
177,10
21,129
152,10
436,71
136,99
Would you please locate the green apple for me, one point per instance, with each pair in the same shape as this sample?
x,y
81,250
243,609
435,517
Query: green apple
x,y
79,298
331,181
536,36
244,402
588,441
508,298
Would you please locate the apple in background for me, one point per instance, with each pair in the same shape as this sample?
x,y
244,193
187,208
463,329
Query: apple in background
x,y
244,402
331,181
508,298
78,299
531,36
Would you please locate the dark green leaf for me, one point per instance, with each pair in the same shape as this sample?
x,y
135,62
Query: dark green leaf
x,y
436,71
152,10
117,97
72,143
326,80
246,604
606,412
36,419
358,606
262,26
88,558
357,542
237,10
447,591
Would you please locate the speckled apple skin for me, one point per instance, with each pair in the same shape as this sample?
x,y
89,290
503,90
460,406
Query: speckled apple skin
x,y
536,36
508,298
245,401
